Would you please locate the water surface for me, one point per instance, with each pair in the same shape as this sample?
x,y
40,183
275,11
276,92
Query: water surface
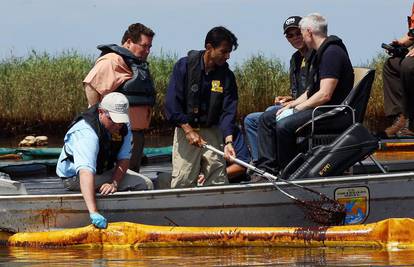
x,y
205,256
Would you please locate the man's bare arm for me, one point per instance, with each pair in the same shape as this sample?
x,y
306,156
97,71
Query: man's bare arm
x,y
92,95
119,173
327,88
87,186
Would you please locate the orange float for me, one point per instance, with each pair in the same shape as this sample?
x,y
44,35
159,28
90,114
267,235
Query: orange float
x,y
388,234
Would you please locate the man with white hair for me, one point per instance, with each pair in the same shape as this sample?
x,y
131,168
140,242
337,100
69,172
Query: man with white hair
x,y
96,154
329,81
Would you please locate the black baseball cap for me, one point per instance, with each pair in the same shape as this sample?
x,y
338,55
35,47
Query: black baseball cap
x,y
291,22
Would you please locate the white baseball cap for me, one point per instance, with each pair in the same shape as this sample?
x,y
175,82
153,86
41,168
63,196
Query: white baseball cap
x,y
117,105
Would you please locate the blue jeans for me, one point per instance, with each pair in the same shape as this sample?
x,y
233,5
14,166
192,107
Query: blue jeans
x,y
251,122
277,139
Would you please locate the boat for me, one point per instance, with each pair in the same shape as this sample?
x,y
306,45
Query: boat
x,y
36,160
42,204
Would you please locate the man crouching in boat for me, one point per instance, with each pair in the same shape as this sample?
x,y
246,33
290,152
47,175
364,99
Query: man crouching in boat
x,y
98,140
202,101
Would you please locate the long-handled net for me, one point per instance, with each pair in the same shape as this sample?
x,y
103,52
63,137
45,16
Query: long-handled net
x,y
317,206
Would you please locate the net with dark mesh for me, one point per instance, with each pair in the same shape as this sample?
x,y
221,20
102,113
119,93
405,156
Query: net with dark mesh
x,y
325,211
317,207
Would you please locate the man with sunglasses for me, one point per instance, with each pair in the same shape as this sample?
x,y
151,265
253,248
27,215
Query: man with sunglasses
x,y
260,125
329,80
125,69
96,154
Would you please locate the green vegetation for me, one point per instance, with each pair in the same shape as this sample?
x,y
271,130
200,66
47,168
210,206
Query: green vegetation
x,y
42,88
45,90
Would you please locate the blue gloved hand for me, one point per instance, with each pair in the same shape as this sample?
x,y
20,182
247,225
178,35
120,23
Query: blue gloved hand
x,y
285,113
98,220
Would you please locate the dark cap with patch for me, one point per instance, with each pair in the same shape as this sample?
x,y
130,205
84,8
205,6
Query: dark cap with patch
x,y
291,22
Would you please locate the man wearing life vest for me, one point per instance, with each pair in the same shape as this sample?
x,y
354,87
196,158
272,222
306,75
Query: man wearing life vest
x,y
260,126
329,81
398,84
96,153
201,102
125,69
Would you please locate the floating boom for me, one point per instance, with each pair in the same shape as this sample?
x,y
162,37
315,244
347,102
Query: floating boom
x,y
388,234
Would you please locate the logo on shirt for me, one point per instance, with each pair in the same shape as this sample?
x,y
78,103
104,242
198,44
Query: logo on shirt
x,y
116,137
215,86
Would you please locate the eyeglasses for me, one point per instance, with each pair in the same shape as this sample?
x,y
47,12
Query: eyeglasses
x,y
144,46
291,35
108,116
110,119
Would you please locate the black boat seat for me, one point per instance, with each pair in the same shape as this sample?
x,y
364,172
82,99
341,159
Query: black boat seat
x,y
324,128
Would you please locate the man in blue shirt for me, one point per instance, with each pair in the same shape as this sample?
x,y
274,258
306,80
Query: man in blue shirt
x,y
96,154
201,102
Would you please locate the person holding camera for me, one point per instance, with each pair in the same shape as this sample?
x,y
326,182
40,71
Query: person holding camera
x,y
398,84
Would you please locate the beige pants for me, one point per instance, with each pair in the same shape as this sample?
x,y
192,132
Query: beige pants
x,y
189,161
132,181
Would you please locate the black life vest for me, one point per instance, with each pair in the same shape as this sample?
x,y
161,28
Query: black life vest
x,y
109,144
204,112
297,74
140,88
313,81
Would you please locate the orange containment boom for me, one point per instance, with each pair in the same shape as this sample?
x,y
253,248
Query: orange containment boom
x,y
388,234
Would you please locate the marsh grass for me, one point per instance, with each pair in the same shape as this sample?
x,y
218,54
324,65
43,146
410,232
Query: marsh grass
x,y
42,91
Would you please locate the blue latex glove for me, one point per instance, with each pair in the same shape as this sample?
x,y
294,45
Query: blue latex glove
x,y
285,113
98,220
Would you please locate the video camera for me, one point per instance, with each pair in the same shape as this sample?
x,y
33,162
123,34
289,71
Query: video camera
x,y
395,50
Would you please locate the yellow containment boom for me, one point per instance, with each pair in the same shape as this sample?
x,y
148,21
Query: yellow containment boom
x,y
388,234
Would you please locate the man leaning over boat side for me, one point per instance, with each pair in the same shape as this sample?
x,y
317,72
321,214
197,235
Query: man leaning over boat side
x,y
125,69
329,81
96,153
201,102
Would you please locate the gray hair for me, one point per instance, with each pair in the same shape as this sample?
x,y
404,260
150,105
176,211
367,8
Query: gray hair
x,y
316,22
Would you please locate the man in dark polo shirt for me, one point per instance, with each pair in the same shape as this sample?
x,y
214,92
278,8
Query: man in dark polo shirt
x,y
329,81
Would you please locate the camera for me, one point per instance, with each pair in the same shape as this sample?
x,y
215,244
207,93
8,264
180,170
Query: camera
x,y
395,50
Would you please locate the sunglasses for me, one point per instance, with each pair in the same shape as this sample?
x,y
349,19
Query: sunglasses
x,y
292,35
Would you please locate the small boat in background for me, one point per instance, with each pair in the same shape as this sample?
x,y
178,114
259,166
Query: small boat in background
x,y
38,160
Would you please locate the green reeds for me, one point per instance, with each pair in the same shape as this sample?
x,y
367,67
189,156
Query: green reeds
x,y
44,89
259,80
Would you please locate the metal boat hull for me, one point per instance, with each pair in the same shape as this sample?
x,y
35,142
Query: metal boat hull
x,y
373,197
